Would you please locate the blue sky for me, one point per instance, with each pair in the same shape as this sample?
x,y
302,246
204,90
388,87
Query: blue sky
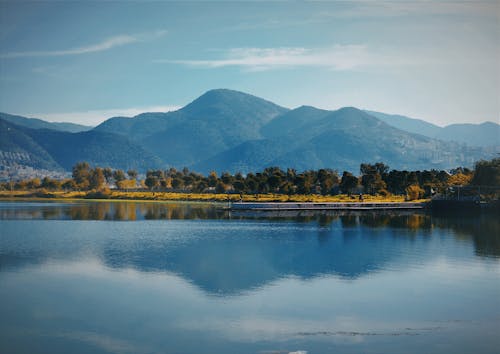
x,y
87,61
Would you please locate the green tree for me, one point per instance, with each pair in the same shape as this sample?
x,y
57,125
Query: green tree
x,y
371,178
348,182
212,179
327,179
487,173
97,179
220,187
69,185
108,174
51,184
119,176
151,181
132,174
81,175
177,183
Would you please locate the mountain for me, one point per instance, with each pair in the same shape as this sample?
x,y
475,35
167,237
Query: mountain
x,y
285,123
19,149
340,139
36,123
227,130
412,125
216,121
57,150
484,134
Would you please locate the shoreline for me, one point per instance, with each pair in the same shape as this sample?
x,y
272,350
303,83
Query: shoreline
x,y
230,202
148,196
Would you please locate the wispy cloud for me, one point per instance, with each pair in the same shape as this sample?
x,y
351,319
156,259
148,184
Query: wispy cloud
x,y
106,44
338,57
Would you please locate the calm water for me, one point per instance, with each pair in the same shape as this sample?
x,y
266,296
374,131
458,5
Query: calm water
x,y
166,278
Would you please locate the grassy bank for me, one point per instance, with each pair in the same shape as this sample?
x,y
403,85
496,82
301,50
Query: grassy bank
x,y
203,197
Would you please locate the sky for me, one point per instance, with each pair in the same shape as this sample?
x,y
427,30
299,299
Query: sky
x,y
86,61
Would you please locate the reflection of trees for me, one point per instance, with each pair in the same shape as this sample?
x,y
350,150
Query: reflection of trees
x,y
483,229
327,219
349,220
374,220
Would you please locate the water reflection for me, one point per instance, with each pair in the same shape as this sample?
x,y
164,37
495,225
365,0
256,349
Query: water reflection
x,y
232,253
112,211
345,282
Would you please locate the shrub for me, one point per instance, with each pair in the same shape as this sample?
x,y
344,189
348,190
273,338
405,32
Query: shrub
x,y
414,192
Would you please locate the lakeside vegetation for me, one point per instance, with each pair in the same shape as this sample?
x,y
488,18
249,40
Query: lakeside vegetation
x,y
376,183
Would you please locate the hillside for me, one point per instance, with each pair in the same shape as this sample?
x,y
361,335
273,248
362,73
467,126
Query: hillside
x,y
227,130
19,149
216,121
97,148
484,134
56,150
342,139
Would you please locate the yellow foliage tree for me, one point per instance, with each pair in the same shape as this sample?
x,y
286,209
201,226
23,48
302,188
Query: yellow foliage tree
x,y
414,192
459,179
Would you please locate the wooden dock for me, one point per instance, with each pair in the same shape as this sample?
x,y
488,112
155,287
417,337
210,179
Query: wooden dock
x,y
264,206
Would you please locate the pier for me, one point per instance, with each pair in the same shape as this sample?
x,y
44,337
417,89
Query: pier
x,y
270,206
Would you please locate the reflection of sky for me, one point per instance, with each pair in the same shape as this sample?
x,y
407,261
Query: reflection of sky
x,y
123,310
353,284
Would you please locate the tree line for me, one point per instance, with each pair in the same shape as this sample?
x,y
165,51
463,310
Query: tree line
x,y
373,179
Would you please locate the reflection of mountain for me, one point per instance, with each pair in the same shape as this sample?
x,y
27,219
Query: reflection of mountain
x,y
233,260
229,256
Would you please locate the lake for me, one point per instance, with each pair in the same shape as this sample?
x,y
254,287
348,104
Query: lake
x,y
123,277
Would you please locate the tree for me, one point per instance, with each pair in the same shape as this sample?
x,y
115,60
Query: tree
x,y
69,185
371,178
487,173
108,174
348,182
177,183
126,184
212,179
227,178
34,183
119,176
327,179
414,192
96,180
50,183
81,175
220,188
239,186
151,180
132,174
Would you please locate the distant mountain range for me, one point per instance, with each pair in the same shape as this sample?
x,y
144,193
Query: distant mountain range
x,y
484,134
225,130
36,123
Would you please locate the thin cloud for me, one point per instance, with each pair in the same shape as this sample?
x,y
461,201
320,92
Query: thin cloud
x,y
338,57
106,44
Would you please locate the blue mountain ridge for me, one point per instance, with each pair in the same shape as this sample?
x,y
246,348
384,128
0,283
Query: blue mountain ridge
x,y
226,130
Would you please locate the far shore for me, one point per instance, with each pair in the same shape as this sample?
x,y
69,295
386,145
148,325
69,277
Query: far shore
x,y
151,196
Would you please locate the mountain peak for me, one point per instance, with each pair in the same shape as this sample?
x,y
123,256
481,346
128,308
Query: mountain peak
x,y
219,103
229,98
